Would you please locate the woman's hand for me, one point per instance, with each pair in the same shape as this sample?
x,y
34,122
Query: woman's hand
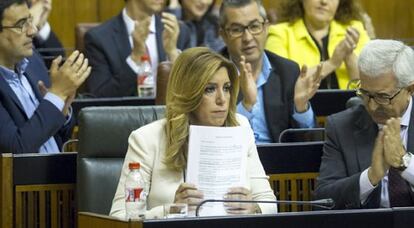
x,y
240,193
189,194
170,35
345,47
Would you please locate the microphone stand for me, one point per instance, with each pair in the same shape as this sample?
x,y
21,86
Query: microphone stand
x,y
322,203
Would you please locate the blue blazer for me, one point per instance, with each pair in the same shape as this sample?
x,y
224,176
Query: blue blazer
x,y
107,48
18,134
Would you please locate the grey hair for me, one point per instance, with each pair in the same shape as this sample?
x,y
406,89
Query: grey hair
x,y
238,4
388,56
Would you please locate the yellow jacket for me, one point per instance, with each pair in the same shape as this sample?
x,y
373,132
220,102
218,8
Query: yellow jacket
x,y
293,41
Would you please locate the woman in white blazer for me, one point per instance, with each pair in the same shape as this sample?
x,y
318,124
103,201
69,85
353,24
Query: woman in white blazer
x,y
202,90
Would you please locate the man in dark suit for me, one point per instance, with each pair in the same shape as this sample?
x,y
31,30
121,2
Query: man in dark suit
x,y
33,118
275,94
46,42
366,161
115,48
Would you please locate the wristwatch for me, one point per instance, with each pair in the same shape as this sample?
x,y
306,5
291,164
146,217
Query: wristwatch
x,y
405,161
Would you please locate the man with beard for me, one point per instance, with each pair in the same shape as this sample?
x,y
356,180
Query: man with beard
x,y
366,161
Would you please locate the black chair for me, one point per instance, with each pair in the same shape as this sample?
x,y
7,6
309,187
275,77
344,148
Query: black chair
x,y
354,101
302,135
329,101
103,142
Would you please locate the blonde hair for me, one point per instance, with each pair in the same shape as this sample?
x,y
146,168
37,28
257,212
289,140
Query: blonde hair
x,y
191,73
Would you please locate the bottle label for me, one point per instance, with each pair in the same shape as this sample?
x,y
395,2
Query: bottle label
x,y
133,194
145,86
141,79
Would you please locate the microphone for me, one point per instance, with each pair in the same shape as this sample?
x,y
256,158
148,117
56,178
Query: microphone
x,y
321,203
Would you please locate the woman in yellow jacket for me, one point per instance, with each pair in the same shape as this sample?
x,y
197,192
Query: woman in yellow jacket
x,y
315,31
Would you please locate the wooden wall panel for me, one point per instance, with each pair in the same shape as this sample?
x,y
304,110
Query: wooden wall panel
x,y
109,8
392,19
67,13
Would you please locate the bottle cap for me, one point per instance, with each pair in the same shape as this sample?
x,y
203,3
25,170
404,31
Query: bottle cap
x,y
134,165
145,57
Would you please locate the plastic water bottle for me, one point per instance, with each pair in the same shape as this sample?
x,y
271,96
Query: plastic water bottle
x,y
135,193
145,82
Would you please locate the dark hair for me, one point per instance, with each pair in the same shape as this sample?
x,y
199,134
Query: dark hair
x,y
4,4
208,13
291,10
238,4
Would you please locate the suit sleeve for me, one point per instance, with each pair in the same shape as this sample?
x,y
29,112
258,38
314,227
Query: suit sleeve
x,y
184,40
45,122
259,181
104,81
333,181
65,132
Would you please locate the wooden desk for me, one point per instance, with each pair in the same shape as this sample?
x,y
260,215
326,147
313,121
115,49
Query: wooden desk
x,y
315,219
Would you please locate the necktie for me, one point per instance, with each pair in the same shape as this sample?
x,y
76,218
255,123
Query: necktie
x,y
398,190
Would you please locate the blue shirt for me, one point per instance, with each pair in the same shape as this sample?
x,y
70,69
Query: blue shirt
x,y
257,116
24,92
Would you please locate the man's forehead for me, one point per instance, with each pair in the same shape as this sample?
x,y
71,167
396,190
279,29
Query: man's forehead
x,y
243,15
16,12
383,82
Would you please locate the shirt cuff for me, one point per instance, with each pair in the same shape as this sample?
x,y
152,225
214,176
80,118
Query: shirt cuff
x,y
55,100
408,173
134,66
365,186
305,119
44,32
242,110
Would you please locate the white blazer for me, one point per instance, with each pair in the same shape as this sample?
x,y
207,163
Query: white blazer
x,y
147,145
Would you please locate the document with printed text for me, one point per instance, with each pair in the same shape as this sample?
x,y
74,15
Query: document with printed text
x,y
217,160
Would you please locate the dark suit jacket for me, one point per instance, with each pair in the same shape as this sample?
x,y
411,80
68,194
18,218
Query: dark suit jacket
x,y
49,49
278,94
350,138
107,48
18,134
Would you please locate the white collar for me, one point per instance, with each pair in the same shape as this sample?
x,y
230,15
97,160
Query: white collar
x,y
405,119
130,23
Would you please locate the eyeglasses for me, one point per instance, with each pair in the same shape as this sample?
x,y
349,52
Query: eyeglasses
x,y
255,28
381,99
23,24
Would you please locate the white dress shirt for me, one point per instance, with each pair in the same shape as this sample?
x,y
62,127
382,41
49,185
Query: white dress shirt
x,y
150,42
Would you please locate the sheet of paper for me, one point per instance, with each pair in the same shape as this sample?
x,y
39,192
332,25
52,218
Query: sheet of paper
x,y
217,160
